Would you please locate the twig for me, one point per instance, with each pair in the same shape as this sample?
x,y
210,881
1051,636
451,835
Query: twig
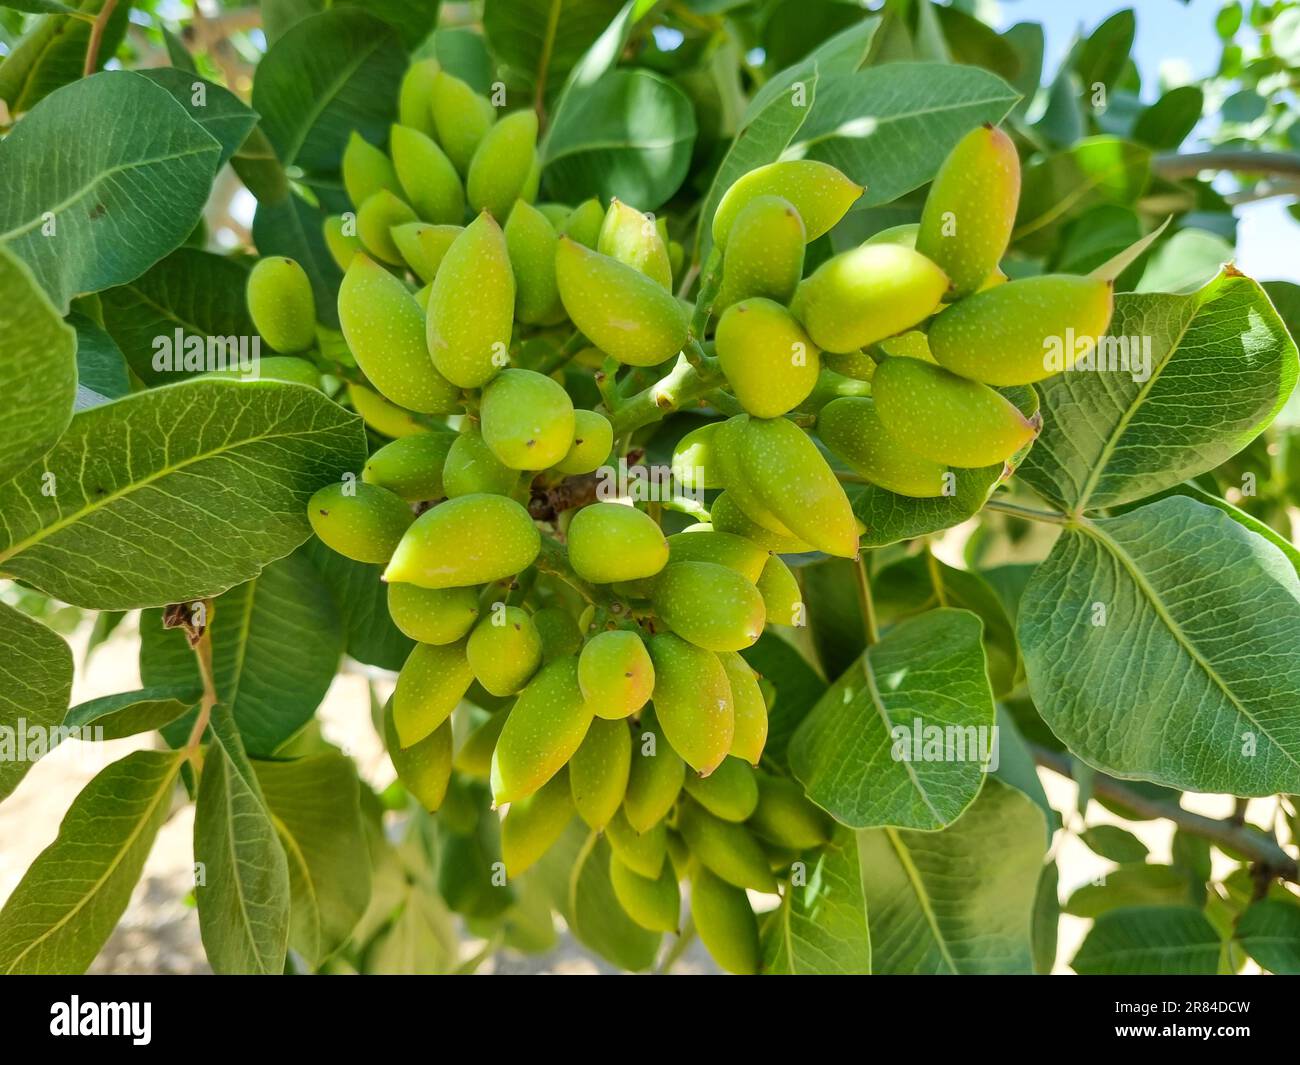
x,y
1225,833
683,384
97,37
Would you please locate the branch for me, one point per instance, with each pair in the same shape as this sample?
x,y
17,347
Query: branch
x,y
97,37
1189,165
1225,833
684,384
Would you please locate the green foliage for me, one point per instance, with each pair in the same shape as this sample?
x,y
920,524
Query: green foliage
x,y
794,700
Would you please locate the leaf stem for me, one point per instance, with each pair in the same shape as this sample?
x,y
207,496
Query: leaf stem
x,y
1226,833
1051,517
203,655
97,37
710,283
865,600
936,574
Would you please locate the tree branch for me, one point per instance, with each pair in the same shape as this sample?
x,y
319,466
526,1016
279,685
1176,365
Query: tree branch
x,y
1225,833
1189,165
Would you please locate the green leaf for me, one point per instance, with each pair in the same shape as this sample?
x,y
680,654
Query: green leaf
x,y
1186,262
460,50
130,713
1136,884
1115,843
279,16
1270,933
471,876
243,882
421,941
759,141
1016,767
276,643
836,628
844,53
38,369
1164,645
40,7
1063,121
177,52
542,40
820,928
293,227
798,687
1094,240
1047,920
132,191
596,62
901,738
413,19
630,136
973,43
72,896
314,803
598,919
1150,941
329,75
100,365
35,683
1027,40
1097,170
52,53
196,292
1194,491
906,588
793,29
890,127
1104,55
175,494
1221,367
361,599
260,169
218,110
957,901
1170,120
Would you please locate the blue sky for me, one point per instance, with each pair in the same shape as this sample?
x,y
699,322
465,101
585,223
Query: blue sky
x,y
1169,32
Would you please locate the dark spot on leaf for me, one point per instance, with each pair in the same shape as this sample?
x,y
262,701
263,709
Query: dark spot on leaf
x,y
98,211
